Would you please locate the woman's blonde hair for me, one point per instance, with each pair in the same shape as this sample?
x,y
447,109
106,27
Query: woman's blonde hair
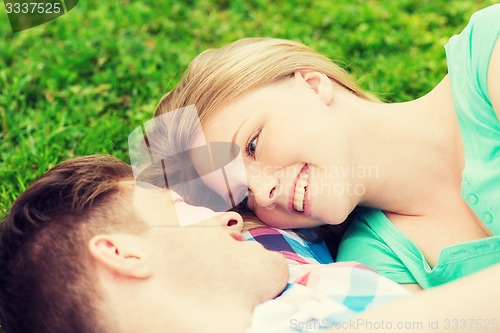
x,y
219,76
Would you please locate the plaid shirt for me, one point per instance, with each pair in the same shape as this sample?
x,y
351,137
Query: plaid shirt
x,y
318,296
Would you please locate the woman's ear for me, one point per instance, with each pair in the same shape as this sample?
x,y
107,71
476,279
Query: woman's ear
x,y
120,254
318,82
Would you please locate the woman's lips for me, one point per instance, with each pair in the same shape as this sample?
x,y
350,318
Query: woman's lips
x,y
300,190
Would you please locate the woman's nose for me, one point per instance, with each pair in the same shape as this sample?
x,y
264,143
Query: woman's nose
x,y
231,220
264,190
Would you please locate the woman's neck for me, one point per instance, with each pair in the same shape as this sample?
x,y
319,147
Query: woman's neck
x,y
416,148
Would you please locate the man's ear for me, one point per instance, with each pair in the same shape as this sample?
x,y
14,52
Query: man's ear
x,y
318,82
120,254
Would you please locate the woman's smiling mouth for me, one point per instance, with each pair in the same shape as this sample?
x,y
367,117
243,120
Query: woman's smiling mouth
x,y
300,189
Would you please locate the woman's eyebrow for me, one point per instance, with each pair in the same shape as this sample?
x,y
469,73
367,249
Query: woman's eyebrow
x,y
236,133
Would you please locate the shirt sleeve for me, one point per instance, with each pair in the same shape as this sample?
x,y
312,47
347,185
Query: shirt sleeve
x,y
471,50
362,244
485,31
319,297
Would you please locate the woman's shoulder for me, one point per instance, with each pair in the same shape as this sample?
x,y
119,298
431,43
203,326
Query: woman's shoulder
x,y
468,56
488,12
483,26
481,31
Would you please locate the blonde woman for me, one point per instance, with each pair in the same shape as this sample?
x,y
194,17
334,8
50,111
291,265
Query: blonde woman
x,y
426,173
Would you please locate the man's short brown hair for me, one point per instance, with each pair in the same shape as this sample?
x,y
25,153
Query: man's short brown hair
x,y
47,283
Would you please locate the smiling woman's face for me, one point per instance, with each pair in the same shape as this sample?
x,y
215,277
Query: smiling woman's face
x,y
295,151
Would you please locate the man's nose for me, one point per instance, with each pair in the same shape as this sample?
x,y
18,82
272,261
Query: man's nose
x,y
231,220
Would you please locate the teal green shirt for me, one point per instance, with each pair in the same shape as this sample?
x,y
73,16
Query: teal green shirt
x,y
376,242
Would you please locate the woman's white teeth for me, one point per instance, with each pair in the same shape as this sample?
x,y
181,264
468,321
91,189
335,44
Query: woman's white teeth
x,y
300,190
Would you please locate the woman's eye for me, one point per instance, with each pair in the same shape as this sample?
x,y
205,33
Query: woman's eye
x,y
252,146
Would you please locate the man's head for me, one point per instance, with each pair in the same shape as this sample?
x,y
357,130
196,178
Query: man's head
x,y
85,250
46,280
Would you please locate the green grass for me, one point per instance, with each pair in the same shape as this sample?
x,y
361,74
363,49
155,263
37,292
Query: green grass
x,y
78,85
